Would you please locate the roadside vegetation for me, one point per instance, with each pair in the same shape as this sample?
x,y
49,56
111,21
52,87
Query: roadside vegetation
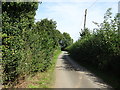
x,y
41,79
100,50
27,46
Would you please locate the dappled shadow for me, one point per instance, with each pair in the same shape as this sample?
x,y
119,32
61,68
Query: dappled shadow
x,y
68,64
99,81
65,65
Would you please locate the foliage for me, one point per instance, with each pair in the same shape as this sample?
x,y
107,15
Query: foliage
x,y
66,41
16,24
102,47
85,32
44,79
27,46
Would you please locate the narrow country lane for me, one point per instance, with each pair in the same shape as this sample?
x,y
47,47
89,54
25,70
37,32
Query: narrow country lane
x,y
71,75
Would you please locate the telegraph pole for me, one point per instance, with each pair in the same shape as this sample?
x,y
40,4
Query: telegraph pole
x,y
85,19
82,30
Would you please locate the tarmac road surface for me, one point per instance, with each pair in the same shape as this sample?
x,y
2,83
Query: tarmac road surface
x,y
68,74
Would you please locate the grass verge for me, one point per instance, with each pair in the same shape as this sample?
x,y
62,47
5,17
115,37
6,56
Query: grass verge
x,y
108,77
42,79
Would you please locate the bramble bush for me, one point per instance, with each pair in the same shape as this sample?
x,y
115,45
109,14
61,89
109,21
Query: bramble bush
x,y
100,48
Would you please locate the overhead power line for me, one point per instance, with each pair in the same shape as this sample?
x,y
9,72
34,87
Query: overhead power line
x,y
92,4
86,13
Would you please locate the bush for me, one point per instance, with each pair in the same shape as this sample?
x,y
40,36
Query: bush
x,y
27,46
102,47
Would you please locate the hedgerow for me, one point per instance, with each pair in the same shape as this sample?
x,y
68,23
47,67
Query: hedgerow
x,y
27,46
100,48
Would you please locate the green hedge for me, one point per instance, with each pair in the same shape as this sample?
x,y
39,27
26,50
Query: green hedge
x,y
27,46
101,48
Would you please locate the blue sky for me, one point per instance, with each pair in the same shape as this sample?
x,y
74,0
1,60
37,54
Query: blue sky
x,y
69,14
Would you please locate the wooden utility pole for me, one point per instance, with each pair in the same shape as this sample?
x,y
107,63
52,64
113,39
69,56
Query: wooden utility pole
x,y
82,30
85,19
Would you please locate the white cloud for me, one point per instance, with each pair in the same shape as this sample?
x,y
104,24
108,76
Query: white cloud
x,y
70,16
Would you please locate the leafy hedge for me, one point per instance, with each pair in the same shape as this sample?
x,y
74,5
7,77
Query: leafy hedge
x,y
101,48
27,46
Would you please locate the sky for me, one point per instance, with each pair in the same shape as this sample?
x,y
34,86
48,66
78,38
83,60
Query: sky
x,y
69,14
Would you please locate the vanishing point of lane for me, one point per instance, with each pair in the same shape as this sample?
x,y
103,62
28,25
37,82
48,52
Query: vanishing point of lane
x,y
68,74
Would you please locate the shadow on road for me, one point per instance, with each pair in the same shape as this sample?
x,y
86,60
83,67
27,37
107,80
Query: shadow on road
x,y
70,65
